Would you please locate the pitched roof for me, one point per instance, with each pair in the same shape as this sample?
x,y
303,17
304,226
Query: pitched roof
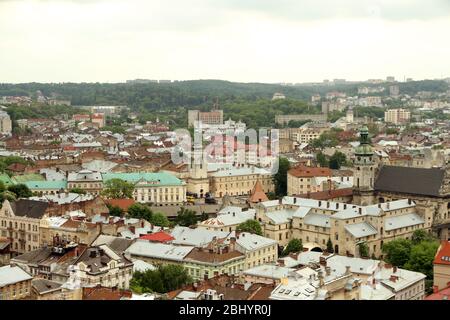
x,y
443,254
123,204
160,236
29,208
410,180
258,194
12,274
306,172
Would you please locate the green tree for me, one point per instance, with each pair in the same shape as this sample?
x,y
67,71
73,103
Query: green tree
x,y
2,186
322,159
280,178
421,258
159,219
162,280
140,211
20,190
115,211
363,250
330,246
419,236
295,245
251,226
118,189
337,160
397,251
186,217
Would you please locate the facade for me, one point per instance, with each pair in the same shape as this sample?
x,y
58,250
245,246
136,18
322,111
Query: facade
x,y
240,181
15,283
86,180
103,266
5,123
211,117
397,116
228,219
284,119
20,221
157,188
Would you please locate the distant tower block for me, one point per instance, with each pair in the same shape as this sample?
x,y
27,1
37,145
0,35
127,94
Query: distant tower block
x,y
349,116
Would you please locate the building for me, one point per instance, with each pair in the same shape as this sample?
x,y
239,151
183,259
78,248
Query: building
x,y
278,96
303,180
15,283
20,221
397,116
347,226
198,182
239,181
441,266
86,180
212,117
103,266
5,123
98,118
158,188
394,90
228,219
284,119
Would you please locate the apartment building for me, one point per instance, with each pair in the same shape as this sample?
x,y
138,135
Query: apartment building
x,y
397,116
441,266
211,117
86,180
5,123
20,221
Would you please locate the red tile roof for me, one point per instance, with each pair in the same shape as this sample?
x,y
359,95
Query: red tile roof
x,y
123,204
258,194
160,236
307,172
443,254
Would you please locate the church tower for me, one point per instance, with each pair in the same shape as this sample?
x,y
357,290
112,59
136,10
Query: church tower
x,y
364,171
198,181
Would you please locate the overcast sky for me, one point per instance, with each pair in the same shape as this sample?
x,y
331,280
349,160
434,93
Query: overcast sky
x,y
237,40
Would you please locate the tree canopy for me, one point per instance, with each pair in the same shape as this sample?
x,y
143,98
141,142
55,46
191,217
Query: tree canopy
x,y
162,280
280,178
295,245
251,226
186,217
118,189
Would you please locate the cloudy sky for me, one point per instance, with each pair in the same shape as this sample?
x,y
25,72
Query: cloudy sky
x,y
237,40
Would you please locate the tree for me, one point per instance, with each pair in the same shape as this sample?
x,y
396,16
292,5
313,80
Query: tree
x,y
140,211
78,190
20,190
160,220
2,186
330,246
186,217
280,178
295,245
164,279
115,210
118,189
397,251
251,226
321,159
422,256
419,236
337,160
204,216
363,250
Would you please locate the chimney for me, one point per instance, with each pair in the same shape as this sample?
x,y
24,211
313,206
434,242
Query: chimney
x,y
132,229
395,269
393,278
347,270
205,277
409,201
328,270
308,194
435,289
281,262
323,261
360,211
374,283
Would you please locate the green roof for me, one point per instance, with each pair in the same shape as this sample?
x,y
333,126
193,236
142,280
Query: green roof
x,y
159,178
6,179
37,185
28,177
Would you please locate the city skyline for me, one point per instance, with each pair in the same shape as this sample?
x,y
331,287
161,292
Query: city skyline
x,y
254,41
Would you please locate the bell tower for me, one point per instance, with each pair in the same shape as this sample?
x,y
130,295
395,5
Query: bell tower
x,y
198,181
364,170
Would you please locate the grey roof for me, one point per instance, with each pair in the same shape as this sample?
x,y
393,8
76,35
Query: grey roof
x,y
29,208
159,250
359,230
410,180
44,285
12,274
402,221
319,220
119,245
